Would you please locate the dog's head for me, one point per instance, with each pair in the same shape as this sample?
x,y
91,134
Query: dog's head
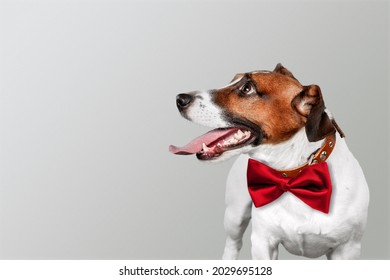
x,y
254,108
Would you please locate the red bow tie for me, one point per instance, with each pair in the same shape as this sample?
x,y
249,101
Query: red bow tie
x,y
312,185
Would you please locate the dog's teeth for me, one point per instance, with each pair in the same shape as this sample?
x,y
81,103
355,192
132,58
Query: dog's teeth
x,y
205,148
247,133
239,134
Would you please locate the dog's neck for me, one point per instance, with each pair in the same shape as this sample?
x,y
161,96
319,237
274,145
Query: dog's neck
x,y
286,155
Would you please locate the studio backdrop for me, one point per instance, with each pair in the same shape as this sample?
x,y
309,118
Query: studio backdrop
x,y
87,112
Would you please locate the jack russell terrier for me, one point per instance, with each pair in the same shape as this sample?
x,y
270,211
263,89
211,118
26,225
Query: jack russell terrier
x,y
296,178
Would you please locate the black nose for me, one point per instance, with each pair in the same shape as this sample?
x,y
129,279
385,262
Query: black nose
x,y
183,101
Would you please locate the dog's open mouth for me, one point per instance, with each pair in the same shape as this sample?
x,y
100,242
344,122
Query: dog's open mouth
x,y
215,142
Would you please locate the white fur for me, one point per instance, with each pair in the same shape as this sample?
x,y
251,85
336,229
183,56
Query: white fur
x,y
204,112
288,221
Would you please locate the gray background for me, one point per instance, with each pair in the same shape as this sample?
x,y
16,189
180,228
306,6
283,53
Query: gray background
x,y
87,111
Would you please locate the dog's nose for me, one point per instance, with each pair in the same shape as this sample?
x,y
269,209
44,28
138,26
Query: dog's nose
x,y
183,100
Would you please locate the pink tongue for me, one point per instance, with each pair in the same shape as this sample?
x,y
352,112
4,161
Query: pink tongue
x,y
195,146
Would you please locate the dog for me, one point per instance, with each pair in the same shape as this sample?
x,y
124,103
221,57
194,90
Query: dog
x,y
272,121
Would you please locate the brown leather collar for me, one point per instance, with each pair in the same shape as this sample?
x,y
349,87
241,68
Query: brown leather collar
x,y
319,156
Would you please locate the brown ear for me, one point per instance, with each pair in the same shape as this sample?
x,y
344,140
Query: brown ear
x,y
284,71
310,104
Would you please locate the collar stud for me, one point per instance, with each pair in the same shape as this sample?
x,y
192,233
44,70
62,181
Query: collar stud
x,y
323,155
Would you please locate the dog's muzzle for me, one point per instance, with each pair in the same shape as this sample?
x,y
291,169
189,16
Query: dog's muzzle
x,y
198,107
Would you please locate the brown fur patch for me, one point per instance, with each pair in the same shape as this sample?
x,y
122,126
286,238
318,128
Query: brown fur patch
x,y
270,110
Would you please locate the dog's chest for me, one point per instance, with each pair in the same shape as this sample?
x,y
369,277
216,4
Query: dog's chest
x,y
301,230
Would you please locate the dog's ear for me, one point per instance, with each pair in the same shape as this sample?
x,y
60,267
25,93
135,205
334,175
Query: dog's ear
x,y
310,104
284,71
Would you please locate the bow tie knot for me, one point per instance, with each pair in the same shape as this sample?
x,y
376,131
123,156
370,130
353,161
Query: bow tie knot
x,y
283,185
312,185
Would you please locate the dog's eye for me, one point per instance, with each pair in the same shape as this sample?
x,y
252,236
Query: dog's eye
x,y
247,89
